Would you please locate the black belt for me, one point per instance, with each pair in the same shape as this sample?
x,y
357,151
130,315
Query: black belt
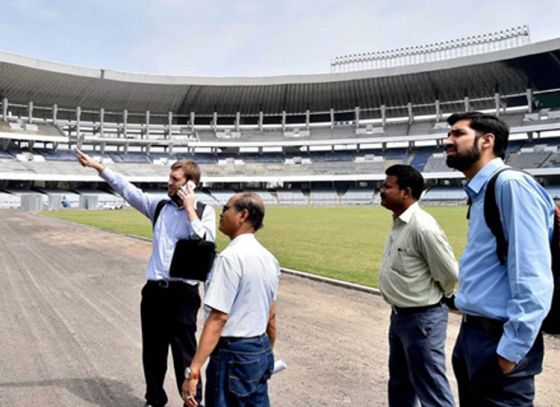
x,y
411,310
492,326
161,283
226,340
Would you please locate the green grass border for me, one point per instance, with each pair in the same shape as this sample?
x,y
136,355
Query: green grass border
x,y
342,243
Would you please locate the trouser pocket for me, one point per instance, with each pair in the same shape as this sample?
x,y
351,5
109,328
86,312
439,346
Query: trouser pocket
x,y
244,376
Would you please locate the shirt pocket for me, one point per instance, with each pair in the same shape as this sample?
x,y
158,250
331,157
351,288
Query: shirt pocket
x,y
406,261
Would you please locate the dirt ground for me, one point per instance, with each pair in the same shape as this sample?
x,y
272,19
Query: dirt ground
x,y
70,328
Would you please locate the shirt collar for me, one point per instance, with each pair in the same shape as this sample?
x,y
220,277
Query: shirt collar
x,y
243,237
407,215
478,182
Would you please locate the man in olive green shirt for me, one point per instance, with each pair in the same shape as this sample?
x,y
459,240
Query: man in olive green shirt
x,y
417,270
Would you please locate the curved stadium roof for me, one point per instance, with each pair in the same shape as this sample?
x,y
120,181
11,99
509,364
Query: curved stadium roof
x,y
511,71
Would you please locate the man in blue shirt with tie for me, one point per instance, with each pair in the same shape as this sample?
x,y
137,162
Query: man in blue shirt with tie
x,y
499,349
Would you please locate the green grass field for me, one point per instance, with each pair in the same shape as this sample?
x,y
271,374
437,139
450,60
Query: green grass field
x,y
345,243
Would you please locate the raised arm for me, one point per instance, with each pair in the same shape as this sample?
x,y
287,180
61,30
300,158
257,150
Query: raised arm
x,y
131,194
86,161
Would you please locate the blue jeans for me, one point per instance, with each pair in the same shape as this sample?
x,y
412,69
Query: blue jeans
x,y
238,372
479,377
417,358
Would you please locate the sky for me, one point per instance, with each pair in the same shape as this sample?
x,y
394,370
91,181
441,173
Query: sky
x,y
249,37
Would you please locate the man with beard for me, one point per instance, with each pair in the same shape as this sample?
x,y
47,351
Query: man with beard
x,y
169,304
417,270
500,347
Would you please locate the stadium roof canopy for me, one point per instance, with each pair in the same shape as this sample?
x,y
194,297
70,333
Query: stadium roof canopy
x,y
510,72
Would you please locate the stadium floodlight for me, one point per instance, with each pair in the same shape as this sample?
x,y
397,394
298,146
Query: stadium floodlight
x,y
455,48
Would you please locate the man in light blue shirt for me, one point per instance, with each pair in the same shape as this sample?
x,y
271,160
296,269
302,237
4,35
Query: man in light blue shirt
x,y
169,306
500,348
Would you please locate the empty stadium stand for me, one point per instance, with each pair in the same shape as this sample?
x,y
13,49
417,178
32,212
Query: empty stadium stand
x,y
297,140
421,157
323,197
357,197
436,163
291,197
445,194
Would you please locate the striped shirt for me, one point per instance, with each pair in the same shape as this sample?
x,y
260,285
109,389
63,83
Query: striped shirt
x,y
418,265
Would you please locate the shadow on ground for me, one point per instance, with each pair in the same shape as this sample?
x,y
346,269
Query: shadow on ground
x,y
98,391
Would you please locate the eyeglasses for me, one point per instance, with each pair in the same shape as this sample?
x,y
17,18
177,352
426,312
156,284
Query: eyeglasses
x,y
225,208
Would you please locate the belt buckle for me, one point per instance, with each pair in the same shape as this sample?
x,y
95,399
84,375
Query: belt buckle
x,y
163,283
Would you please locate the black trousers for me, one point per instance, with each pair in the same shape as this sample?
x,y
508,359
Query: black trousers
x,y
168,317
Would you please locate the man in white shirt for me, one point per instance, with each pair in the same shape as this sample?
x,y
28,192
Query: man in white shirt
x,y
169,304
240,328
417,270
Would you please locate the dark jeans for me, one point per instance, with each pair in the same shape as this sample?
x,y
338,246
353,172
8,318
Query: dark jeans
x,y
417,358
479,377
168,318
238,372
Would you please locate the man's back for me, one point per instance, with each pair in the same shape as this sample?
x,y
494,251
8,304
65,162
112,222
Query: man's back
x,y
247,275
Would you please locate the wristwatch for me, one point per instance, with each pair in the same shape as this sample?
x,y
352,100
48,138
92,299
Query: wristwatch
x,y
189,374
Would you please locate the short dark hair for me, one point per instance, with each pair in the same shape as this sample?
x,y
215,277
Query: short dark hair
x,y
252,202
190,169
407,177
486,123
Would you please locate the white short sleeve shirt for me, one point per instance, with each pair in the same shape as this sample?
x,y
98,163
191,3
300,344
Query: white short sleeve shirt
x,y
243,283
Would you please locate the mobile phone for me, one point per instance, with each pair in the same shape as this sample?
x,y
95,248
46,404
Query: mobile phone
x,y
176,198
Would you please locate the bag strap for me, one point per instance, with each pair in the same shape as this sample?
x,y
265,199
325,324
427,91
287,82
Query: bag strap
x,y
199,210
555,245
159,207
492,216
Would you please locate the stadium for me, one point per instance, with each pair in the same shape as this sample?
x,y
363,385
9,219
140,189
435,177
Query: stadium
x,y
298,140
